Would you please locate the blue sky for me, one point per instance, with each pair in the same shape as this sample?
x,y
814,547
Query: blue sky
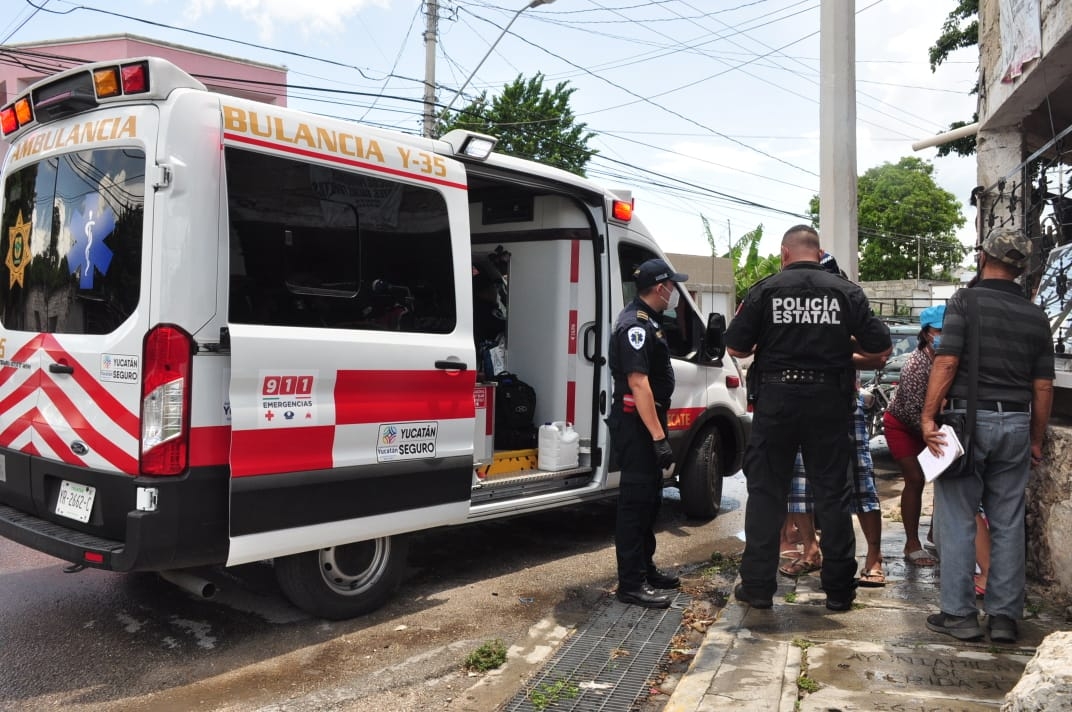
x,y
698,105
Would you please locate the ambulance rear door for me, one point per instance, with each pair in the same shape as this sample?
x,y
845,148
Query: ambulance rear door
x,y
352,356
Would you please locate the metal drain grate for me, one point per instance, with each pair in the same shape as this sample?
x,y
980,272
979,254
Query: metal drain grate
x,y
607,661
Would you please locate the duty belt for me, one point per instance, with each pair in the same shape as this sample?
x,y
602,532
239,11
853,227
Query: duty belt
x,y
805,376
998,406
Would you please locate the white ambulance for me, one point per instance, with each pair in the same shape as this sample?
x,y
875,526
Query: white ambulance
x,y
233,332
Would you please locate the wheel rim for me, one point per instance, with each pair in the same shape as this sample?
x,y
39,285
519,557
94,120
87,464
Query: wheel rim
x,y
352,569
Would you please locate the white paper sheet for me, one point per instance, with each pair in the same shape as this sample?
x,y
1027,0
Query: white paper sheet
x,y
932,465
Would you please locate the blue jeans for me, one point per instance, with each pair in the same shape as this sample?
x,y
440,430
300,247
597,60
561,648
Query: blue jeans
x,y
1002,467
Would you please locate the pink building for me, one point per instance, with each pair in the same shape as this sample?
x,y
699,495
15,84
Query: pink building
x,y
23,64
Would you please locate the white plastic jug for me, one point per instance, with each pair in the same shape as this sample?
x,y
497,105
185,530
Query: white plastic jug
x,y
559,446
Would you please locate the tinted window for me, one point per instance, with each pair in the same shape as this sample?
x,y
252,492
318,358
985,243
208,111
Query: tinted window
x,y
318,246
71,241
681,325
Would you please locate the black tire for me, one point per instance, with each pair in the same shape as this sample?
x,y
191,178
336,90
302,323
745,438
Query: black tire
x,y
700,481
342,582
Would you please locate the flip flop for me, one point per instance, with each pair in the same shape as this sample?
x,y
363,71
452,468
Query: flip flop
x,y
799,567
920,557
873,578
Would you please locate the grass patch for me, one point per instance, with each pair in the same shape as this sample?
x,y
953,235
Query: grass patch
x,y
791,597
806,684
722,563
549,693
488,656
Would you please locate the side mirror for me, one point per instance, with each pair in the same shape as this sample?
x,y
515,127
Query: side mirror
x,y
714,342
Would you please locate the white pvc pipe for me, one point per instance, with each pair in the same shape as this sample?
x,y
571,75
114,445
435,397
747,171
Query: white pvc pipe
x,y
947,137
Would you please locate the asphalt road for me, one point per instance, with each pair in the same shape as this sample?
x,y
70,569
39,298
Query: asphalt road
x,y
93,640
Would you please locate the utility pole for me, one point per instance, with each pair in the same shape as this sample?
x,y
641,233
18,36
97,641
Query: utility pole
x,y
918,240
431,27
837,132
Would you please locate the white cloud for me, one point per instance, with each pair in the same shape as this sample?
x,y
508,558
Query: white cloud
x,y
318,17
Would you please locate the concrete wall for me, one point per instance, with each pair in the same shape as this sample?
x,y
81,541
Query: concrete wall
x,y
711,282
1019,117
1049,513
901,297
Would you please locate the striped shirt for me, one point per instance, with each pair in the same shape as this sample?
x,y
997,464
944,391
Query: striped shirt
x,y
1015,344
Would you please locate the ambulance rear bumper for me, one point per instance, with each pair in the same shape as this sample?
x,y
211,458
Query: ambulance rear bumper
x,y
187,528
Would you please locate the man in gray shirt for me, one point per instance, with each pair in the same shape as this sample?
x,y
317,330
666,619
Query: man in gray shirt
x,y
1014,395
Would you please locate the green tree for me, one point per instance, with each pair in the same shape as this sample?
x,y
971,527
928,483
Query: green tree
x,y
752,268
530,121
961,29
907,223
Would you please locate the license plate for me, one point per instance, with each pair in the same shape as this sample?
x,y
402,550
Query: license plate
x,y
75,501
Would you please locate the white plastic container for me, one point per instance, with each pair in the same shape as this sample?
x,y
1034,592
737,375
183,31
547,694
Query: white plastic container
x,y
559,446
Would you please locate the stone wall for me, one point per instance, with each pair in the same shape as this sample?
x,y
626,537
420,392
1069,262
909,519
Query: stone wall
x,y
1049,513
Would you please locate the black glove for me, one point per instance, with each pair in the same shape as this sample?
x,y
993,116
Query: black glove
x,y
664,456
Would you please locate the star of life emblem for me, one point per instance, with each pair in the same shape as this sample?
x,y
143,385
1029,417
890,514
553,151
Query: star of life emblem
x,y
636,337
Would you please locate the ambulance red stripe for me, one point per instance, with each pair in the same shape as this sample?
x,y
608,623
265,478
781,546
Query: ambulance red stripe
x,y
55,442
21,393
27,351
682,418
104,400
280,450
17,428
374,396
210,445
94,440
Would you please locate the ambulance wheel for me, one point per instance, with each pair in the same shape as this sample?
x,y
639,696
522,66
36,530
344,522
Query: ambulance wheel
x,y
342,582
700,481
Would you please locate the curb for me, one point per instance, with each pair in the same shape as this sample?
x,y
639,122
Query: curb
x,y
723,652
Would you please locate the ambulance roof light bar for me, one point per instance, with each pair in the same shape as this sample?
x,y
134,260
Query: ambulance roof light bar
x,y
91,85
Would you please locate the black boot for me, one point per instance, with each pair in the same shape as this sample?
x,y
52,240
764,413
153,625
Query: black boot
x,y
663,580
645,596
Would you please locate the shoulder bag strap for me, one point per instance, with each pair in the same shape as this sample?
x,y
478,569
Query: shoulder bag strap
x,y
972,349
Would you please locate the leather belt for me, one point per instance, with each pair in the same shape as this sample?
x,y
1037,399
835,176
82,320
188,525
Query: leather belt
x,y
998,406
799,375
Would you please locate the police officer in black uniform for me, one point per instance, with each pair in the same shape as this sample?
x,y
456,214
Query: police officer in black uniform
x,y
643,384
803,325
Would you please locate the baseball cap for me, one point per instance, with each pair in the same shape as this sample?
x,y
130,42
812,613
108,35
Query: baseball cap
x,y
932,316
1009,245
650,273
828,263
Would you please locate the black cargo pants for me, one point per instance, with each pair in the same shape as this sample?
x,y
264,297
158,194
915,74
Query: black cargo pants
x,y
817,418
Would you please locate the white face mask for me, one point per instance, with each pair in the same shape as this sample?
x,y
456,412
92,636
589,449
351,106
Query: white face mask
x,y
671,301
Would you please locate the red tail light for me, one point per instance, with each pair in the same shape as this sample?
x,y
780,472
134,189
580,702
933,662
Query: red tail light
x,y
165,405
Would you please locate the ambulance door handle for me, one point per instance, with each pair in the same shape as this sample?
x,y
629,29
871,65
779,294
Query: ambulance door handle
x,y
589,344
451,365
60,368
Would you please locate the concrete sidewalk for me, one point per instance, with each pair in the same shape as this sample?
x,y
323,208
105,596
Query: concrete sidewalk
x,y
878,656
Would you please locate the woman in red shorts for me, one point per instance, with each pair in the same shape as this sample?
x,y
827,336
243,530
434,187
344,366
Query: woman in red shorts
x,y
902,428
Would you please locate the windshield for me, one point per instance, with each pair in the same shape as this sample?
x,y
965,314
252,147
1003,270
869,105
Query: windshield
x,y
71,242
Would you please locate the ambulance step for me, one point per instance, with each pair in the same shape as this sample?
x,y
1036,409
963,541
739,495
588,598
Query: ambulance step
x,y
527,482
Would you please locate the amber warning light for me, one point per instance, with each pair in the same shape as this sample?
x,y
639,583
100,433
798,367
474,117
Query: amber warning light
x,y
622,210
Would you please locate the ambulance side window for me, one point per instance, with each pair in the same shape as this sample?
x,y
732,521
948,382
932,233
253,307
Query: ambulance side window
x,y
318,246
679,325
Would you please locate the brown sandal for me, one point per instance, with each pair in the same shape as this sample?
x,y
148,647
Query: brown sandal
x,y
799,567
873,578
